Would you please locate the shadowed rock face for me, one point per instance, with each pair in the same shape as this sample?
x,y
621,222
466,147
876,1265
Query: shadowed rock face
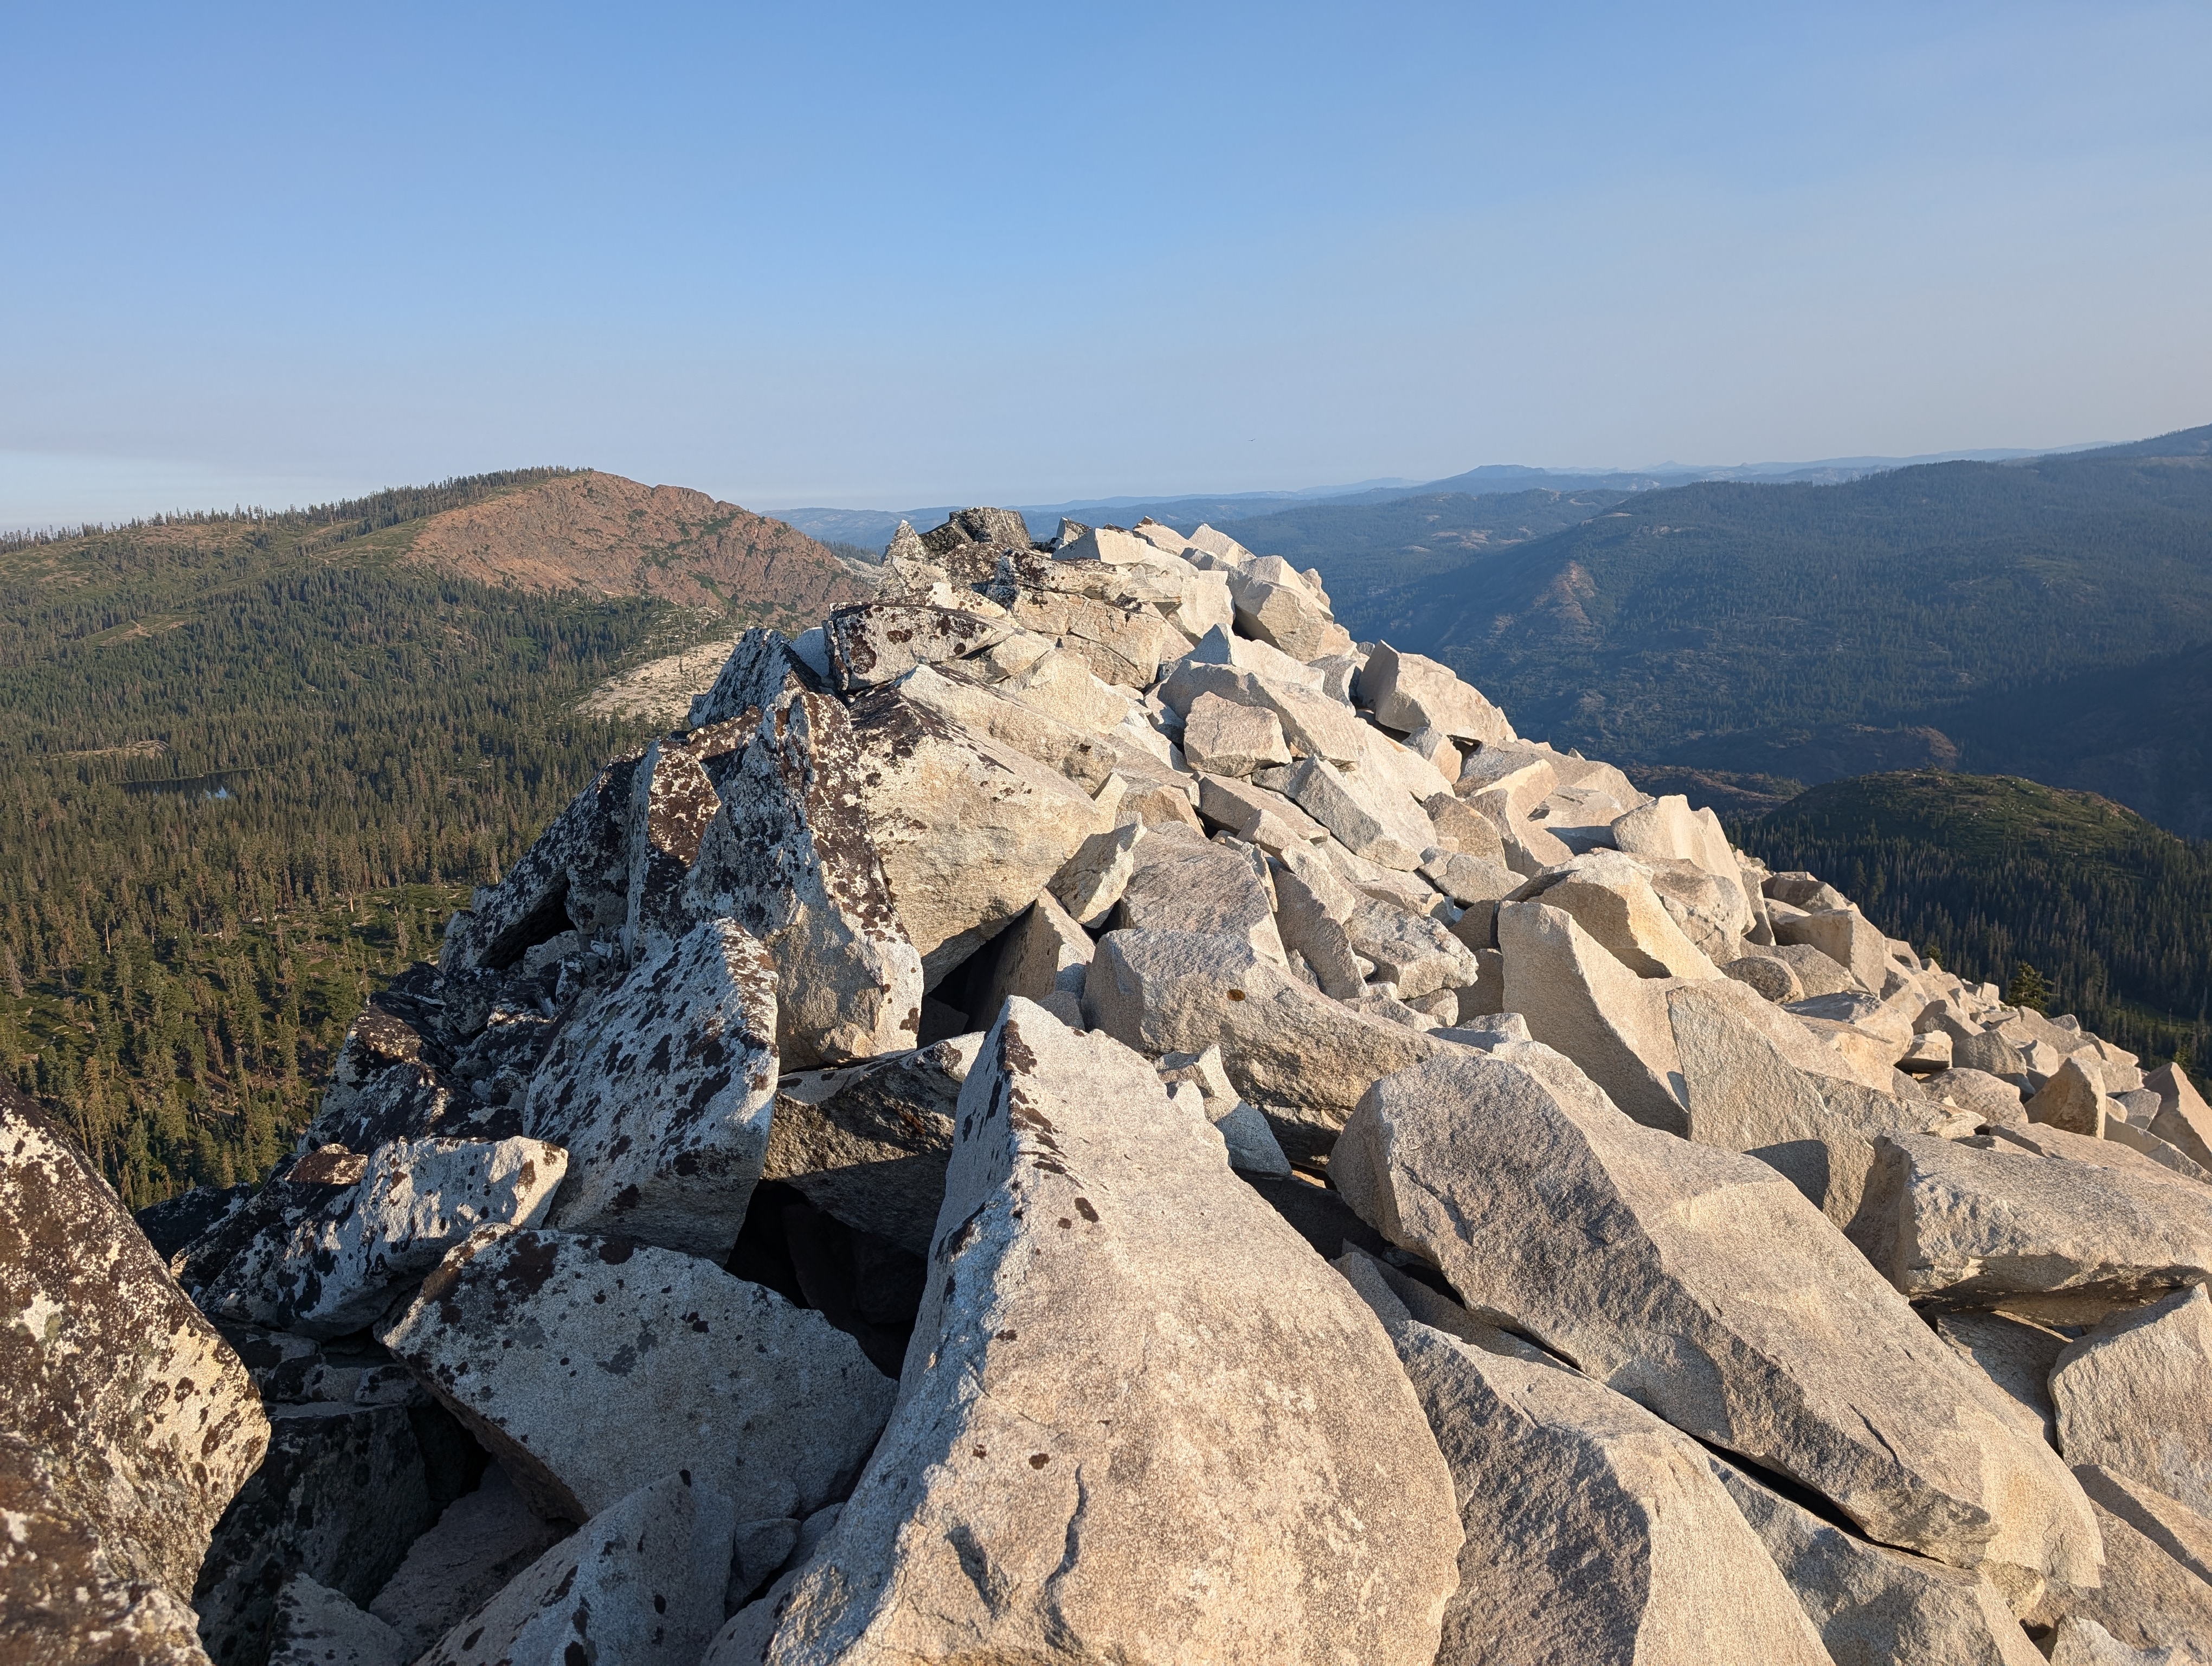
x,y
129,1422
1869,1603
343,1492
574,875
868,1143
1595,1532
641,1582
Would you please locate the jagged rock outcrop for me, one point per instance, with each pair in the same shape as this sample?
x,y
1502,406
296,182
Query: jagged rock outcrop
x,y
659,1096
1631,1252
858,1190
790,860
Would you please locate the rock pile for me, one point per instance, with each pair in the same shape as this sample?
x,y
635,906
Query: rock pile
x,y
1075,1113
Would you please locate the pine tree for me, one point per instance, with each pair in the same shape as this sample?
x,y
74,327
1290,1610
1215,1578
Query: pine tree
x,y
2027,987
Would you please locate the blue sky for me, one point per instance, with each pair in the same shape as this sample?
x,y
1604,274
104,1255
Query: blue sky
x,y
887,255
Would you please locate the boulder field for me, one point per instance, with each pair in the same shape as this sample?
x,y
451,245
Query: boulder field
x,y
1074,1113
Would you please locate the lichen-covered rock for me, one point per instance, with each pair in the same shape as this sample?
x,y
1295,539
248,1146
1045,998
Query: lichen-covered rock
x,y
878,643
587,1365
129,1422
63,1599
1141,1421
671,804
336,1269
660,1095
639,1584
790,859
761,669
175,1222
375,1042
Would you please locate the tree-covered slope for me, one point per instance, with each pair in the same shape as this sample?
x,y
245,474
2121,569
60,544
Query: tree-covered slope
x,y
249,764
1988,872
1370,553
1785,630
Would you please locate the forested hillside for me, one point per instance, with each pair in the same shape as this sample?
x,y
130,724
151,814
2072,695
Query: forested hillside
x,y
1371,553
1795,630
1987,873
249,764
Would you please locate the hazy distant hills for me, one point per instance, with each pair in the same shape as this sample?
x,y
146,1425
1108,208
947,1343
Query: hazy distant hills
x,y
1379,548
872,528
2052,617
2044,613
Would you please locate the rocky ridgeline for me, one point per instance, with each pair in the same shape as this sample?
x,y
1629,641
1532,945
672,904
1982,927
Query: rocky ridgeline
x,y
1076,1113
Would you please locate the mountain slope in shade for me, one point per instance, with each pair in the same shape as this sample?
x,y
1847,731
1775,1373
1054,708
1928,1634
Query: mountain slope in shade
x,y
601,532
2019,616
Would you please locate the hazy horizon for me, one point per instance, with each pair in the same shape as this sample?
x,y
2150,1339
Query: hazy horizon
x,y
141,489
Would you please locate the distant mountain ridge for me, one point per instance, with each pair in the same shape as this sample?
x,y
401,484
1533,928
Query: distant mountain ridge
x,y
873,527
2052,616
